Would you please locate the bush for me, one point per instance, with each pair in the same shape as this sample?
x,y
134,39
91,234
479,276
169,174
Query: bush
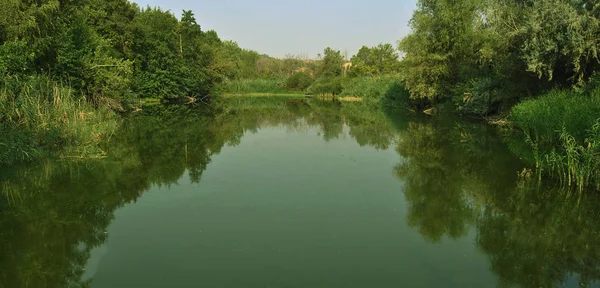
x,y
326,85
397,95
479,97
367,87
299,81
376,90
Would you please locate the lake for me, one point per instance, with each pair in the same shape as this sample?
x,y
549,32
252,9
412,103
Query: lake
x,y
265,192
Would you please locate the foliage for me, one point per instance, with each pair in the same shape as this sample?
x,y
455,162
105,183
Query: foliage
x,y
114,49
326,86
576,164
535,43
110,52
164,68
561,39
439,50
246,86
544,116
298,81
479,97
379,60
331,65
370,89
487,56
37,115
561,127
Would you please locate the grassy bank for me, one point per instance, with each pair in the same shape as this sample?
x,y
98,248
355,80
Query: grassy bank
x,y
296,83
38,116
253,86
376,90
562,127
286,94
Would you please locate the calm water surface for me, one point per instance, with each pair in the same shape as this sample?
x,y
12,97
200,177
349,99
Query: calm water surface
x,y
270,193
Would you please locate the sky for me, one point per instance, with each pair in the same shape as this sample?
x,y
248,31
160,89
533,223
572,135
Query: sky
x,y
299,27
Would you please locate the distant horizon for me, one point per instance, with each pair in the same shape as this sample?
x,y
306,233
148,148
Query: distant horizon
x,y
299,28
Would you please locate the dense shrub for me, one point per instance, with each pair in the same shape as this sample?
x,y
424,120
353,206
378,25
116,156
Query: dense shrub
x,y
298,81
480,97
326,86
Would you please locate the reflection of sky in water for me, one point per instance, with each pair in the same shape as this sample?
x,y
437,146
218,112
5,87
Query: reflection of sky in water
x,y
94,261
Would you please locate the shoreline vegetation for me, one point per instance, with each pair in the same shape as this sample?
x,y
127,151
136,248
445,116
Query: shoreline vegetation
x,y
71,70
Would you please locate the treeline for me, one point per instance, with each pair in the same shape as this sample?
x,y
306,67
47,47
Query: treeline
x,y
369,74
67,66
498,52
113,48
536,62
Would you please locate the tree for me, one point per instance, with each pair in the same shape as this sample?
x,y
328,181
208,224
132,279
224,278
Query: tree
x,y
440,50
159,71
379,60
563,40
332,63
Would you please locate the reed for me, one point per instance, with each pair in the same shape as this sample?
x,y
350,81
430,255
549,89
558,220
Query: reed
x,y
247,86
38,116
563,130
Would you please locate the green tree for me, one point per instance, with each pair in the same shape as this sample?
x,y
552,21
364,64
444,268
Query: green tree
x,y
331,65
158,71
440,50
196,56
379,60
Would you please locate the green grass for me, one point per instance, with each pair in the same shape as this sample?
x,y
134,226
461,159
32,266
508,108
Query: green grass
x,y
367,87
546,116
248,86
563,130
38,116
374,91
286,94
576,164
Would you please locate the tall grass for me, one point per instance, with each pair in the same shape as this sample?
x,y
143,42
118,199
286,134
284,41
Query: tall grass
x,y
563,130
377,90
576,164
368,87
248,86
38,115
548,114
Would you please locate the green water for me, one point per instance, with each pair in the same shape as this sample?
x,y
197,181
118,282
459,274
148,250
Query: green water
x,y
264,193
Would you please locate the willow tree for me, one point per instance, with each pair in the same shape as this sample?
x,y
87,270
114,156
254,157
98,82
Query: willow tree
x,y
442,47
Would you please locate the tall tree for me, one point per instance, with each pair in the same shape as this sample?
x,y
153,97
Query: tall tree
x,y
442,46
159,69
332,63
379,60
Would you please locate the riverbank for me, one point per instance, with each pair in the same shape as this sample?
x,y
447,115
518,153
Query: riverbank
x,y
287,94
560,130
39,118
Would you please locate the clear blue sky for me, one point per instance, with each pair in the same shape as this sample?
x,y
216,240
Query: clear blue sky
x,y
280,27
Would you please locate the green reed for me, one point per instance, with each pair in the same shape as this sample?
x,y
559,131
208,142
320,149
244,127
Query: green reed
x,y
38,116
